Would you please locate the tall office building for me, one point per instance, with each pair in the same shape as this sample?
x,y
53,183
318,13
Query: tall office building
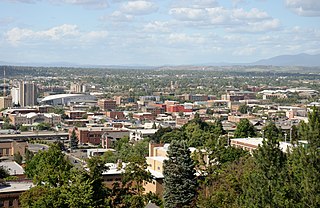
x,y
27,94
78,88
15,94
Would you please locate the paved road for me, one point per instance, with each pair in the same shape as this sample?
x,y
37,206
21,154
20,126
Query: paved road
x,y
37,147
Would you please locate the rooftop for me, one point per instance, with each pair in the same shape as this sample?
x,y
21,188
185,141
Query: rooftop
x,y
284,146
12,167
155,174
60,96
16,187
114,169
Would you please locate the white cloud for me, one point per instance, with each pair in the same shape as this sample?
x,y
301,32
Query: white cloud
x,y
157,26
188,14
266,25
60,33
245,51
304,7
184,38
197,4
92,4
23,1
254,14
118,16
15,35
235,19
253,20
139,7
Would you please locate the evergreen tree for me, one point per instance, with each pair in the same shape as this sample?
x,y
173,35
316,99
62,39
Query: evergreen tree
x,y
312,132
244,129
304,165
73,140
180,183
218,129
271,132
265,185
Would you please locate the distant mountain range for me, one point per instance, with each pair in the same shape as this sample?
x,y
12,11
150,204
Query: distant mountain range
x,y
302,59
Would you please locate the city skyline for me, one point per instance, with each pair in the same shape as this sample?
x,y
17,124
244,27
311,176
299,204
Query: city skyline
x,y
120,32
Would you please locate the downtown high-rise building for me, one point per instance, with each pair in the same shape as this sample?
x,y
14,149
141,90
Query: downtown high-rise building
x,y
27,93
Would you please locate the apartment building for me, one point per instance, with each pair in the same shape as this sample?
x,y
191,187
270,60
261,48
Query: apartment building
x,y
96,135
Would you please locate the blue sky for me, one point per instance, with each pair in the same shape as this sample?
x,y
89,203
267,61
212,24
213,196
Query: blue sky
x,y
150,32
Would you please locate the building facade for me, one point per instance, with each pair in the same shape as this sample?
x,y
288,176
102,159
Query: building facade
x,y
5,102
96,135
9,147
107,104
27,94
32,118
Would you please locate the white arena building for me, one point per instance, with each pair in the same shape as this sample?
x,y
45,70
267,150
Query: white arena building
x,y
66,99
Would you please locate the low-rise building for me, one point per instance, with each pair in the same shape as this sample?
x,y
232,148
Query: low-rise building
x,y
10,193
119,115
140,134
13,168
113,174
157,156
5,102
76,114
143,116
9,147
107,105
31,118
251,144
96,135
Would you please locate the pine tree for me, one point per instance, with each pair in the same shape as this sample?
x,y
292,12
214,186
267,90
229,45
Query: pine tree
x,y
265,185
271,131
180,183
73,140
313,134
244,129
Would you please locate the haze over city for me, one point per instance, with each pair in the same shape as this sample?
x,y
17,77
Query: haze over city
x,y
119,32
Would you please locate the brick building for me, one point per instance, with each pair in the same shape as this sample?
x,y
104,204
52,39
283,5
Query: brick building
x,y
107,104
94,135
76,114
115,115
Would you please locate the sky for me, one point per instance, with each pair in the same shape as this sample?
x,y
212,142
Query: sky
x,y
156,32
